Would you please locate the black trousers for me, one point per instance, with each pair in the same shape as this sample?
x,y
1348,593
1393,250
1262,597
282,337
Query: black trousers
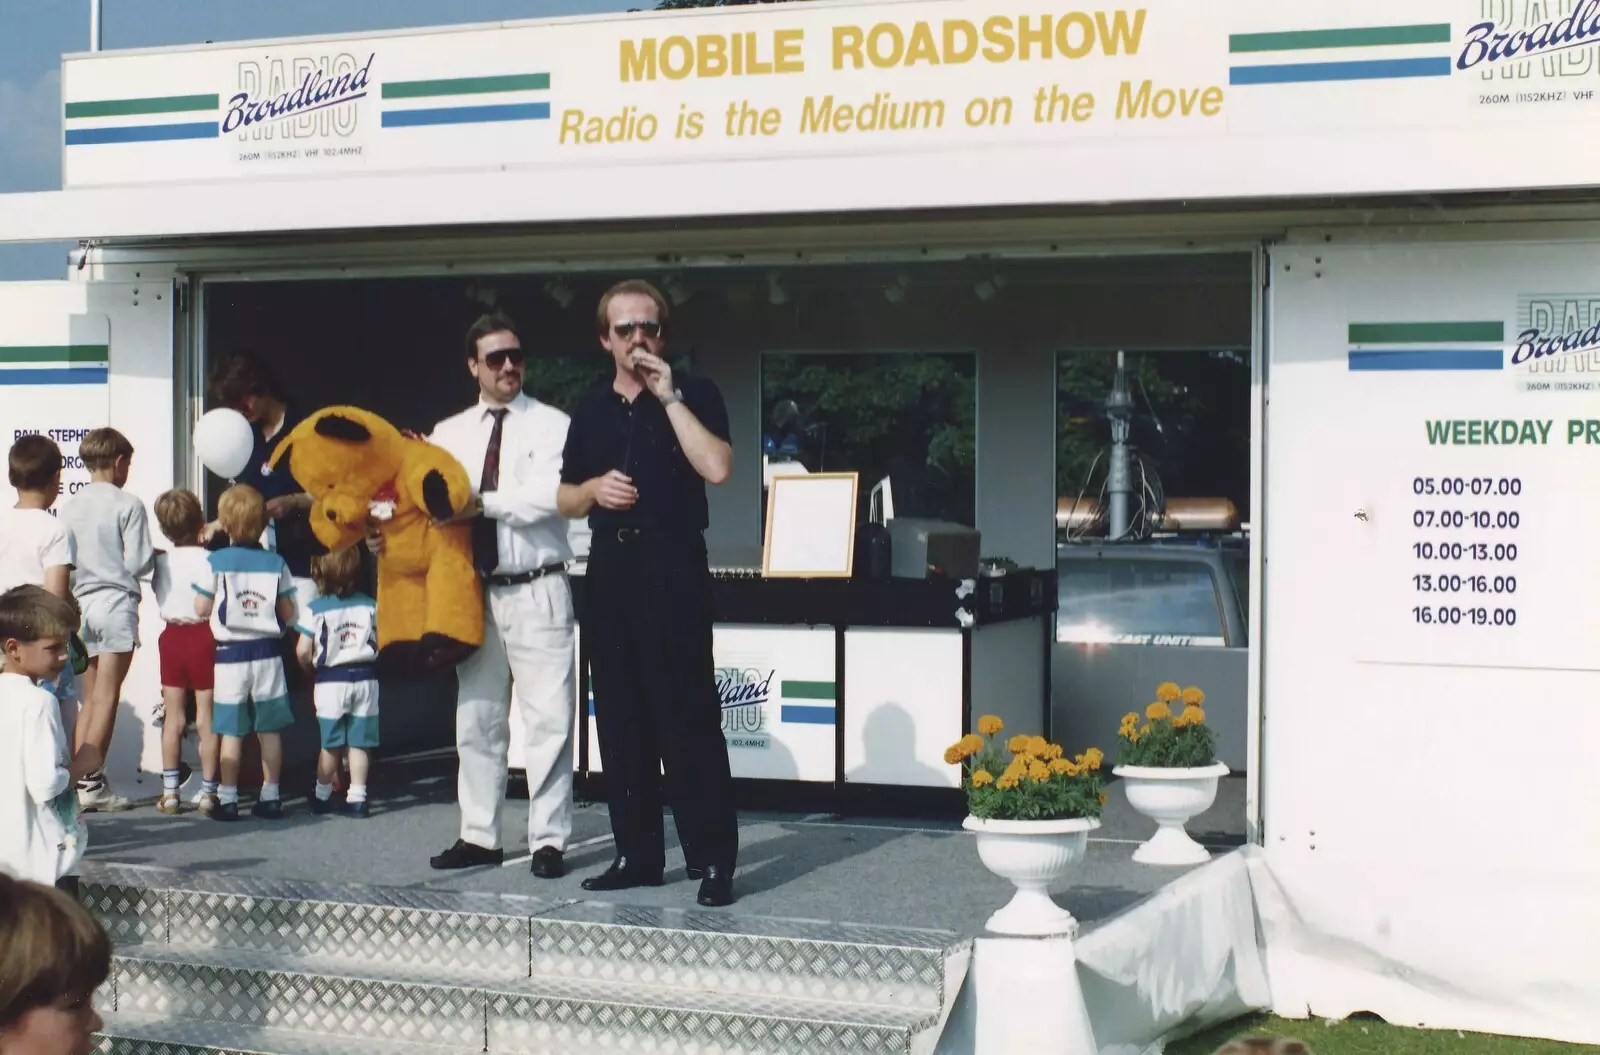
x,y
647,625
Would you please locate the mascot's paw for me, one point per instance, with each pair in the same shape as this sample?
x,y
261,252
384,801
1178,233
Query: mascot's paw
x,y
441,653
436,495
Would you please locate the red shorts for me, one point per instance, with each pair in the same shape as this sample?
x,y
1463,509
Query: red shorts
x,y
188,656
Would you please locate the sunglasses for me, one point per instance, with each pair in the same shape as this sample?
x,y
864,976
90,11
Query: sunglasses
x,y
496,360
650,328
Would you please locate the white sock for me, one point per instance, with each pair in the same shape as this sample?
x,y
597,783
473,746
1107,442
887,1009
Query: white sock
x,y
169,780
228,794
357,793
324,791
269,792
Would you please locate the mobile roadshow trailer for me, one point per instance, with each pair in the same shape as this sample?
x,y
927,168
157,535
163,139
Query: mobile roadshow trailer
x,y
1394,208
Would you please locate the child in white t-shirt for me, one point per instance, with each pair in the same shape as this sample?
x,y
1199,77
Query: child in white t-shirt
x,y
40,838
36,548
187,648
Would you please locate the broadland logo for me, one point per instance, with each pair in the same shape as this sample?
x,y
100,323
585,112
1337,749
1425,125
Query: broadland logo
x,y
1488,43
744,695
1557,344
298,97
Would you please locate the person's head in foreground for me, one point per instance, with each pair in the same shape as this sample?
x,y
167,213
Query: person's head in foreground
x,y
53,956
34,627
1264,1046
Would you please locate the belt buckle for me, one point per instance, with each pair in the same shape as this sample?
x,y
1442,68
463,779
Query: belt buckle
x,y
627,534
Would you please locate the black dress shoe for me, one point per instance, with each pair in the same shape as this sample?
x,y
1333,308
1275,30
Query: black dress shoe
x,y
268,809
466,855
548,863
622,875
694,872
716,889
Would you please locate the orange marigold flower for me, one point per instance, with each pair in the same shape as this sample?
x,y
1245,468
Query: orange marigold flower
x,y
1054,752
953,754
972,743
1018,744
982,778
1037,746
1194,715
1193,697
1168,691
1062,766
1006,782
1131,718
988,725
1038,772
1093,757
1157,711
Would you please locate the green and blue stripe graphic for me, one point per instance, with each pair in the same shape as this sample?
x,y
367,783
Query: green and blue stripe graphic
x,y
1412,346
152,119
442,102
808,702
54,364
1419,37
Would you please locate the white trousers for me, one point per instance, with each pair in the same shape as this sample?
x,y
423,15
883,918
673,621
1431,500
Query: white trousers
x,y
527,647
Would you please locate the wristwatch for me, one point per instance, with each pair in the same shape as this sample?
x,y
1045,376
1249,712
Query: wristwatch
x,y
675,396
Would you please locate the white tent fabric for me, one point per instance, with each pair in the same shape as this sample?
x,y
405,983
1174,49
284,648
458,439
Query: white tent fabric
x,y
1252,931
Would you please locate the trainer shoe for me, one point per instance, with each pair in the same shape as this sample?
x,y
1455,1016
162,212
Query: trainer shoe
x,y
95,796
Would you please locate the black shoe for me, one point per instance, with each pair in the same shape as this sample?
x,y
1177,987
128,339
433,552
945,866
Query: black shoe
x,y
225,811
359,810
268,809
320,807
466,855
548,863
695,873
716,890
623,876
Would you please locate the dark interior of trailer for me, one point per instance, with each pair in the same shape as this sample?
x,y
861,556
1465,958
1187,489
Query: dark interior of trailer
x,y
874,367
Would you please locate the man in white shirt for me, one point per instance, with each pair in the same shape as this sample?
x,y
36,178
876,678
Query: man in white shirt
x,y
512,443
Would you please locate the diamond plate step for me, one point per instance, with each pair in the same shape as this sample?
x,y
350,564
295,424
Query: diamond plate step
x,y
439,930
391,1003
754,956
127,1034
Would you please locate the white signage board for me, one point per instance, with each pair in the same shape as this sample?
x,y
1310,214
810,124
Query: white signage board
x,y
53,381
1433,452
1164,99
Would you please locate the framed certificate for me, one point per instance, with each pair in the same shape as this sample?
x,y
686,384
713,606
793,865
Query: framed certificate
x,y
811,526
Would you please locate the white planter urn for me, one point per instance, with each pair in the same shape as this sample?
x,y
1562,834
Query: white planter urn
x,y
1032,855
1171,796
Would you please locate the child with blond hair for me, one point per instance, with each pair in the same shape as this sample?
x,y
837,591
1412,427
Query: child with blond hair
x,y
339,648
250,599
186,646
40,838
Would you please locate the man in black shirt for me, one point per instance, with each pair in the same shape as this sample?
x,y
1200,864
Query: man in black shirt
x,y
639,452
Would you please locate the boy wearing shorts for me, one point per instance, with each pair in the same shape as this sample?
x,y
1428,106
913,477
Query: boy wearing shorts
x,y
111,535
249,598
339,647
188,651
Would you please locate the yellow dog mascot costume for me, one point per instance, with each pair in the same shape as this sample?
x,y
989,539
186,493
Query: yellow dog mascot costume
x,y
356,466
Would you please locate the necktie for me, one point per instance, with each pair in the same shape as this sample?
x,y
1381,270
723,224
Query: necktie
x,y
485,545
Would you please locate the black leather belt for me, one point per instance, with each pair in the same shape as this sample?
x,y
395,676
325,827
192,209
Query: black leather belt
x,y
523,577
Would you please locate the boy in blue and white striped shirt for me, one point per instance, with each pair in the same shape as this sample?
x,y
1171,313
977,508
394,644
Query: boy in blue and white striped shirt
x,y
249,601
339,645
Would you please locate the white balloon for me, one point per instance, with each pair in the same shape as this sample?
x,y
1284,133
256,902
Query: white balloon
x,y
224,440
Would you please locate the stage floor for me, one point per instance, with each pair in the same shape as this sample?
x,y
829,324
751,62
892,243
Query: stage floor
x,y
918,873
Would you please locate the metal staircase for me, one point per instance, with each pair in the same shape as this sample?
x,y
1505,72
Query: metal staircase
x,y
212,964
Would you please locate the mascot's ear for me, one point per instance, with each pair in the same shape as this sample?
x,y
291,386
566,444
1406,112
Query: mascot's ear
x,y
339,427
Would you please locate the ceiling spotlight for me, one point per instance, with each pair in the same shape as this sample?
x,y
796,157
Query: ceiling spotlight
x,y
895,291
560,292
776,294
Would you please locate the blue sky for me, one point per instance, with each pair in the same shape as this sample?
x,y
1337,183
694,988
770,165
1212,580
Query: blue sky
x,y
38,32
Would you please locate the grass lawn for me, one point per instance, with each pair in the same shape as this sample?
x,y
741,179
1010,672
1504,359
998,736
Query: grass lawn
x,y
1364,1037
